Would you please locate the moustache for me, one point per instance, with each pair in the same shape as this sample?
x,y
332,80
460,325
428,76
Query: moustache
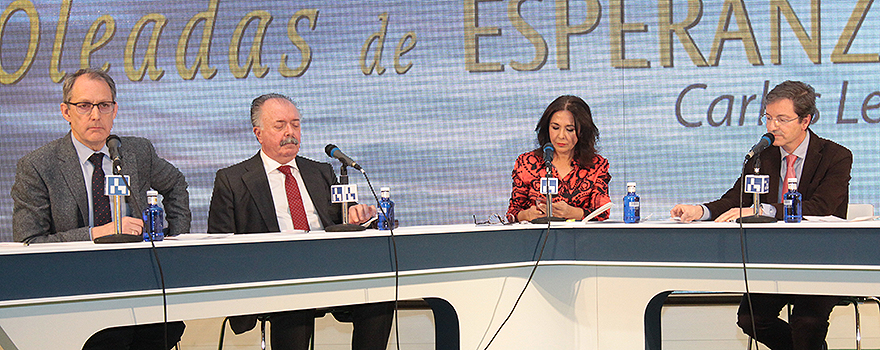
x,y
289,140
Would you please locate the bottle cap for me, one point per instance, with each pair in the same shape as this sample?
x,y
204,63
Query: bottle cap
x,y
152,197
385,191
630,186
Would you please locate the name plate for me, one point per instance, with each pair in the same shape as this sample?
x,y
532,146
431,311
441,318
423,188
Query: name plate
x,y
115,186
343,193
758,184
549,185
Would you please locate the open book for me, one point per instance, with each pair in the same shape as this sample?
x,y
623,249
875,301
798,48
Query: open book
x,y
598,211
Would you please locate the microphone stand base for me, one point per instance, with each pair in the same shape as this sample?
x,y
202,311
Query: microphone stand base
x,y
756,219
543,220
119,238
344,228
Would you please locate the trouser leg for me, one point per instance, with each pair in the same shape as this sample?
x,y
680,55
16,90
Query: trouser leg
x,y
372,326
809,321
292,330
771,330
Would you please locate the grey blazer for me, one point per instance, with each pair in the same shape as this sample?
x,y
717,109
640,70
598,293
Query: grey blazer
x,y
49,193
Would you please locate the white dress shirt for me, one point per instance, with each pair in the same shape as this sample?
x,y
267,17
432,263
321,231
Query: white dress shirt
x,y
279,195
83,152
801,153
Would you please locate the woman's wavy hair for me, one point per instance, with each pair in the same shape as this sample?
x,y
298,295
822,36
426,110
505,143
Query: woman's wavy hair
x,y
587,132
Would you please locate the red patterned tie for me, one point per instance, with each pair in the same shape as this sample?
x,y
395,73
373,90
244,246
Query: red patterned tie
x,y
100,202
294,200
789,170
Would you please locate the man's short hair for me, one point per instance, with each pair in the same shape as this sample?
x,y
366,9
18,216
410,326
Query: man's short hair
x,y
257,106
801,95
93,73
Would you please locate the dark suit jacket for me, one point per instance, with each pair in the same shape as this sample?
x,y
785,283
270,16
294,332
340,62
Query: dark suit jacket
x,y
242,201
824,182
51,203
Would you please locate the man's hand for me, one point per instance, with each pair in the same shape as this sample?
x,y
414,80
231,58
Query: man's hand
x,y
733,214
687,212
130,226
360,213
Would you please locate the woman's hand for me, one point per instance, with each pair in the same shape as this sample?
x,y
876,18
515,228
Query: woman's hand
x,y
561,209
530,214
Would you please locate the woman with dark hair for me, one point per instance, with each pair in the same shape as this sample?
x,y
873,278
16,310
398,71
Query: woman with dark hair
x,y
583,176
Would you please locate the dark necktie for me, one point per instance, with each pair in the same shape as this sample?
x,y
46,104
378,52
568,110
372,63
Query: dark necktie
x,y
100,202
294,200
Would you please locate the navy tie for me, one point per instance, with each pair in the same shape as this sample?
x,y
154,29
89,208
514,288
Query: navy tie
x,y
100,202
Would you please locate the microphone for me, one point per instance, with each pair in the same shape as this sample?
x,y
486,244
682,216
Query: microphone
x,y
548,152
765,142
334,152
113,143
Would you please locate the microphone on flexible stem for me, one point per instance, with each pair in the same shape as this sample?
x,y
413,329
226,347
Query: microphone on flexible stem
x,y
113,144
548,154
334,152
757,184
765,142
548,151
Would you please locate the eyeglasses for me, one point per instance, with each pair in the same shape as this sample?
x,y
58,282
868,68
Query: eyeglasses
x,y
766,118
86,107
493,219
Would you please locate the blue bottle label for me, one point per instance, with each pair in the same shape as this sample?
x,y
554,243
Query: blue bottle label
x,y
154,226
385,223
631,208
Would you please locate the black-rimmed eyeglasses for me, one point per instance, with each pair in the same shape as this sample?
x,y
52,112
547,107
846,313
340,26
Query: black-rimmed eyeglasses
x,y
86,107
493,219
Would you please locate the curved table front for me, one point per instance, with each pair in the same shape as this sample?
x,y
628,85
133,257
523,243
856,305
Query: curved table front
x,y
598,286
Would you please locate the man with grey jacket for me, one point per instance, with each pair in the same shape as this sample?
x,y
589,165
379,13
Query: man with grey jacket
x,y
59,191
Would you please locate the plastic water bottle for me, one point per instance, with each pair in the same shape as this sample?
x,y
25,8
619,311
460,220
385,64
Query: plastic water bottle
x,y
792,202
631,212
386,205
154,218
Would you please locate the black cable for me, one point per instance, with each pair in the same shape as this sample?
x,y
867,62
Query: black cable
x,y
534,268
528,281
137,209
164,300
394,257
742,248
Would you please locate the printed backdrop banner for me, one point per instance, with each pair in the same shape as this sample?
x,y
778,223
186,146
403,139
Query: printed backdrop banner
x,y
437,98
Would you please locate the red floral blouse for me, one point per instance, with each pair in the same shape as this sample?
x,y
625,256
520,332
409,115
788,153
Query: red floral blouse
x,y
582,188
